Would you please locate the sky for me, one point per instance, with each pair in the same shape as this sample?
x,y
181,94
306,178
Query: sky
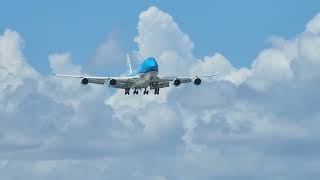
x,y
257,120
237,29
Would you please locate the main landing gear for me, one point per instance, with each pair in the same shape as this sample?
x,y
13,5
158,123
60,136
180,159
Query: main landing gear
x,y
127,91
145,92
156,91
136,92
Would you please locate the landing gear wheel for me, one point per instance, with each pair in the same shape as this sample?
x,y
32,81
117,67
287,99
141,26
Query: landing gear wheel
x,y
136,92
156,91
127,92
145,92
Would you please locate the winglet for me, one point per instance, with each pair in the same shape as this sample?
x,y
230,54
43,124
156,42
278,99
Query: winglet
x,y
129,64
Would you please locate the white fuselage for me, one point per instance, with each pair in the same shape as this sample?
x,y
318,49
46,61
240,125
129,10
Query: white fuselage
x,y
145,79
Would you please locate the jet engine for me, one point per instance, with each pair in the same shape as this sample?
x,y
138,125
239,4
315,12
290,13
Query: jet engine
x,y
176,82
84,81
197,81
112,82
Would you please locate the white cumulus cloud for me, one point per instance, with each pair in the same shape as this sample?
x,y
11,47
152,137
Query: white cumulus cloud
x,y
248,123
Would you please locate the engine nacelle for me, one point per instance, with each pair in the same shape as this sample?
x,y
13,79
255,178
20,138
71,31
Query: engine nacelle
x,y
197,81
112,82
176,82
84,81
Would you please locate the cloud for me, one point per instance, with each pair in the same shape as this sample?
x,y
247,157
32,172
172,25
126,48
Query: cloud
x,y
249,123
220,65
62,63
314,25
109,56
154,23
13,67
271,67
160,36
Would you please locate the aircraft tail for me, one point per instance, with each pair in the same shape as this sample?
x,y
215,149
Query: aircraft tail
x,y
129,64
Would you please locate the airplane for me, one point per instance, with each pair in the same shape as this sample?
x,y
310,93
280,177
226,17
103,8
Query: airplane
x,y
144,78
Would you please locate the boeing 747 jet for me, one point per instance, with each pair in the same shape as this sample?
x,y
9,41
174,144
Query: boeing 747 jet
x,y
144,78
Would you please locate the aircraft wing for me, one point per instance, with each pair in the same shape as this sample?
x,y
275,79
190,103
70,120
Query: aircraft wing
x,y
178,80
119,82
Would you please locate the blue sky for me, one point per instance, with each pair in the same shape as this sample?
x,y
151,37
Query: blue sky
x,y
258,119
238,29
